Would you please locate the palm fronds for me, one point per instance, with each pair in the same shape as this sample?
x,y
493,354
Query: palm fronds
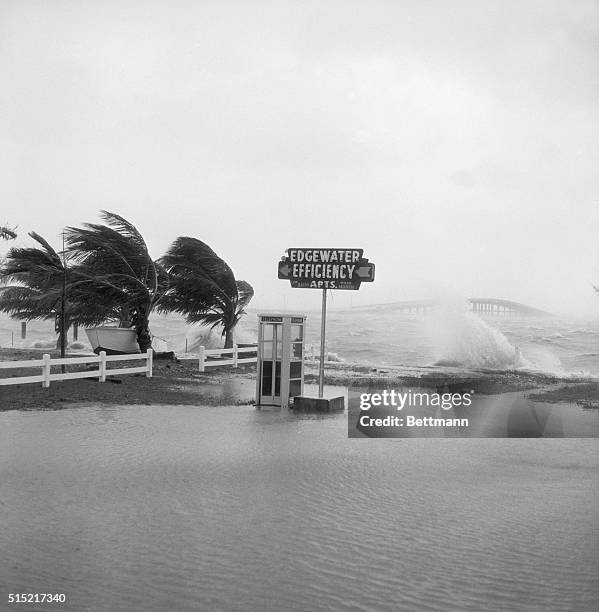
x,y
114,266
7,233
203,287
37,275
107,273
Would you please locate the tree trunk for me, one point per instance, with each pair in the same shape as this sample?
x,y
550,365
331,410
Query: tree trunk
x,y
63,329
62,341
61,326
142,328
144,339
229,338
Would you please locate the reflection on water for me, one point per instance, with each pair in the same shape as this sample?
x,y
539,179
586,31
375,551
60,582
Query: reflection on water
x,y
233,508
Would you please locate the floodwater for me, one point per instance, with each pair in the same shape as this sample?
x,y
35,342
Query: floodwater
x,y
233,508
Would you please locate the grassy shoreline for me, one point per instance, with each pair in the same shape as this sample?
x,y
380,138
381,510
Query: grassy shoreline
x,y
178,382
172,383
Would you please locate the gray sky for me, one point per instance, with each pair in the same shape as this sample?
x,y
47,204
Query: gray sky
x,y
457,142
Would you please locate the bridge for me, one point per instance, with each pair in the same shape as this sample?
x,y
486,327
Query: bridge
x,y
487,306
497,306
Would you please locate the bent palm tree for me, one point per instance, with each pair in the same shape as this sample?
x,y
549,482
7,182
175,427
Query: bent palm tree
x,y
115,269
40,276
203,287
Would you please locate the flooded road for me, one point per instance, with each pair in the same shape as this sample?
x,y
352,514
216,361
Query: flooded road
x,y
233,508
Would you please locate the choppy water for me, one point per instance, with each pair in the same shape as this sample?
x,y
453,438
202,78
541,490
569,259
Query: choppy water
x,y
382,336
183,508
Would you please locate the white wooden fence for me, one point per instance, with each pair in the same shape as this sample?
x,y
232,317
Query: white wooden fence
x,y
102,360
228,356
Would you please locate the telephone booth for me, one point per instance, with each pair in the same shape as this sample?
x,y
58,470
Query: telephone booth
x,y
280,358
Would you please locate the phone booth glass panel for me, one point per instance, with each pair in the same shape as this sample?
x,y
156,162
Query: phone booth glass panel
x,y
280,359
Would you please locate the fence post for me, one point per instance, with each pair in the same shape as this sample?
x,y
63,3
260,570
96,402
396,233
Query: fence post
x,y
202,357
102,377
150,358
46,371
235,355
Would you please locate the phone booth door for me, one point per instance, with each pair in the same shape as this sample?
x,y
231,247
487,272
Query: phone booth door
x,y
271,350
296,356
280,374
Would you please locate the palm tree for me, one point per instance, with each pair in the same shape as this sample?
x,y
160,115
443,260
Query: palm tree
x,y
114,269
46,285
203,287
40,277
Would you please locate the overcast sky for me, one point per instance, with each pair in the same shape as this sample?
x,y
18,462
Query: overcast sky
x,y
456,142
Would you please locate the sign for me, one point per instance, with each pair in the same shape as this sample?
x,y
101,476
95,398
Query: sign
x,y
326,268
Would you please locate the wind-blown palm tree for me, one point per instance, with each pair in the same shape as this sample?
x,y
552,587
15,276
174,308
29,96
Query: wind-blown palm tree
x,y
203,287
114,268
39,276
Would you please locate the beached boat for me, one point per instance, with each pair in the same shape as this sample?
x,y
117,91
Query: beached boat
x,y
113,340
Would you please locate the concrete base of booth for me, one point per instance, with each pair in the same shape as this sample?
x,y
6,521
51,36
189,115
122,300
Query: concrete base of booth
x,y
318,404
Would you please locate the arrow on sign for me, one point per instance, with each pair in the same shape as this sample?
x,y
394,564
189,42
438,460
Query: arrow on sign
x,y
365,273
283,269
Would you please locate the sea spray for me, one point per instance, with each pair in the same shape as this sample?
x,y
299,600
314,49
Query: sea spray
x,y
212,338
385,338
541,359
462,339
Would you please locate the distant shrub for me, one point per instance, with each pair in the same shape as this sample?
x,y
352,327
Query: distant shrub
x,y
41,344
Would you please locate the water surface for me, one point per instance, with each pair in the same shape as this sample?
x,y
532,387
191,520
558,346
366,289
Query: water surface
x,y
233,508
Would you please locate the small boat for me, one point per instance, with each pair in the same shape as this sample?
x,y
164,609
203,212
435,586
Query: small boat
x,y
113,340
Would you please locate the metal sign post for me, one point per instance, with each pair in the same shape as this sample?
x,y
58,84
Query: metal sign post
x,y
323,323
325,269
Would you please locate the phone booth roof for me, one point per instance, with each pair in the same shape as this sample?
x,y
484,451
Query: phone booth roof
x,y
269,316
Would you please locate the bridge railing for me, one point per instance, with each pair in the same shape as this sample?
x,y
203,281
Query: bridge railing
x,y
478,305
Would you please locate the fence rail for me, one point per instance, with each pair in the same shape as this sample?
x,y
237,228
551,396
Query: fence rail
x,y
46,363
228,356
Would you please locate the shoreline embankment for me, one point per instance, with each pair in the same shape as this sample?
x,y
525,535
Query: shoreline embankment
x,y
179,382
